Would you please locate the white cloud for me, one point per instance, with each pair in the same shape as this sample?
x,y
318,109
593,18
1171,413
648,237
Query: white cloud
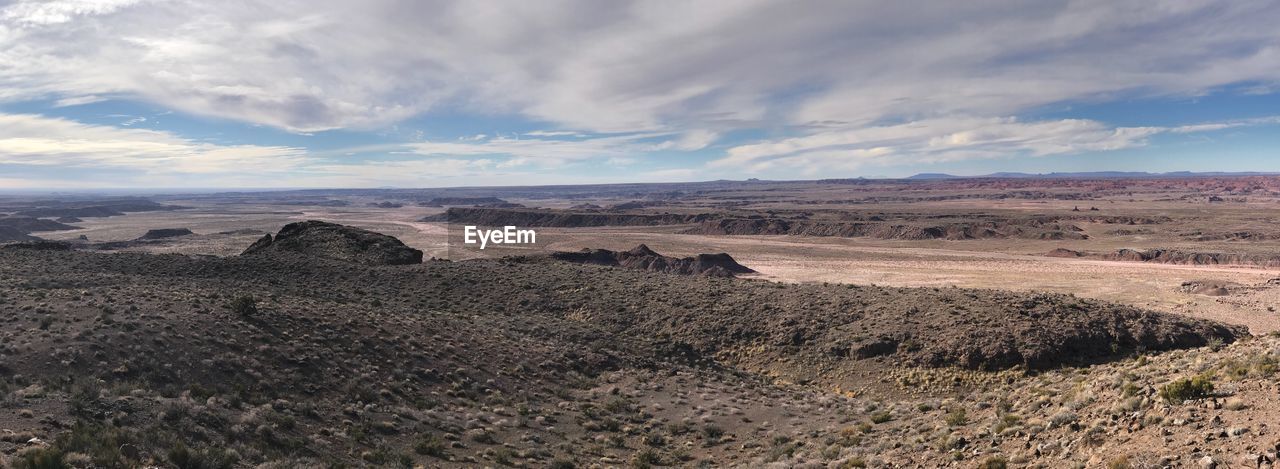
x,y
629,66
947,139
548,151
31,140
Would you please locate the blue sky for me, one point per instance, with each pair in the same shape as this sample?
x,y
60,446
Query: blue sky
x,y
186,94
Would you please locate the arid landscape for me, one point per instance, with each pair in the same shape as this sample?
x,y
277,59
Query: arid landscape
x,y
978,322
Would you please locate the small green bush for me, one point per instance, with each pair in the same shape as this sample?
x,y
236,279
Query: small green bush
x,y
208,458
41,458
244,306
1186,389
957,417
881,417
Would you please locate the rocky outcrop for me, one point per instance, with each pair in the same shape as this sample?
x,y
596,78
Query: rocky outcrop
x,y
558,218
1173,256
1063,252
444,201
164,233
1026,229
643,258
339,242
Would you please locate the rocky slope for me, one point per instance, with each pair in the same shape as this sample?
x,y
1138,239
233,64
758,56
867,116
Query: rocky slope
x,y
282,359
643,258
1029,229
333,241
1174,256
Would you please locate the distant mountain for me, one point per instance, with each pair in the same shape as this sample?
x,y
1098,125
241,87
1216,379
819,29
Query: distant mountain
x,y
934,176
1093,175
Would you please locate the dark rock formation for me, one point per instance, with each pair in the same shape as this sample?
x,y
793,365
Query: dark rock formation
x,y
1026,229
334,241
163,233
443,201
558,218
1063,252
19,228
643,258
41,245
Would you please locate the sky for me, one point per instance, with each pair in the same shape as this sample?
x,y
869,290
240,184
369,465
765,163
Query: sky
x,y
378,93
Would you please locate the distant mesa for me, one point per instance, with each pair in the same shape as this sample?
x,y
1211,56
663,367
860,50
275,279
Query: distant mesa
x,y
587,206
643,258
338,242
386,204
164,233
1063,252
69,220
933,176
443,201
19,228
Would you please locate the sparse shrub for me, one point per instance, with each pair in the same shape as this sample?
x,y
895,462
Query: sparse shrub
x,y
854,462
1186,389
712,433
881,417
994,462
561,464
645,459
41,458
1007,421
1065,417
208,458
245,306
430,445
956,417
1121,462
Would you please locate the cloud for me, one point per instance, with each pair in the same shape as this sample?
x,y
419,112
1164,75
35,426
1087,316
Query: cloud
x,y
629,66
32,140
548,150
948,139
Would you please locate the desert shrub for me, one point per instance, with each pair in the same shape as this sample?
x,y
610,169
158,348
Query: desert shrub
x,y
208,458
994,462
854,462
244,306
561,464
881,417
41,458
956,417
1186,389
430,446
645,459
1121,462
102,443
712,432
